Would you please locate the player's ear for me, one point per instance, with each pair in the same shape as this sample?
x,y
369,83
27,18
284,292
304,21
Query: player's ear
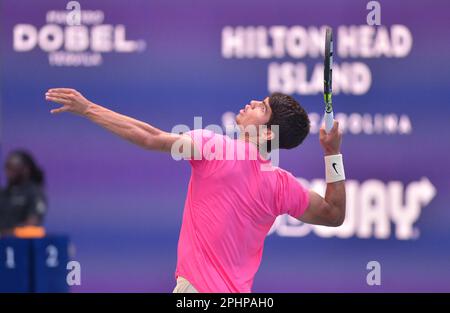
x,y
267,134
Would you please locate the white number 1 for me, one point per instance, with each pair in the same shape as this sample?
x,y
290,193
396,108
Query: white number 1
x,y
10,263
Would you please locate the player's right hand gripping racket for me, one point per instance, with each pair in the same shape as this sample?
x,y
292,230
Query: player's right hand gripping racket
x,y
327,79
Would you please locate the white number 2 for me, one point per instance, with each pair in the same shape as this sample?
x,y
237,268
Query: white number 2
x,y
52,256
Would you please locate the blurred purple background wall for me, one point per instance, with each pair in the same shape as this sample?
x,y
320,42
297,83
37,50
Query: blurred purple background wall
x,y
122,206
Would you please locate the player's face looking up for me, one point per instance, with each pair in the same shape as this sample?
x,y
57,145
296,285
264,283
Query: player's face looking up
x,y
255,113
278,110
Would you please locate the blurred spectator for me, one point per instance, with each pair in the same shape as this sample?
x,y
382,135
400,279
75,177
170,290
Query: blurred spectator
x,y
23,203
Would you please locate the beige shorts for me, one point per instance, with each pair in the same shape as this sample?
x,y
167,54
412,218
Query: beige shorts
x,y
184,286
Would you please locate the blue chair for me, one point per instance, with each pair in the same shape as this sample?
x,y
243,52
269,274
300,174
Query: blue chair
x,y
50,258
15,265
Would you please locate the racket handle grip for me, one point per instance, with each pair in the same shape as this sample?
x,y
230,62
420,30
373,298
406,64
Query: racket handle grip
x,y
329,120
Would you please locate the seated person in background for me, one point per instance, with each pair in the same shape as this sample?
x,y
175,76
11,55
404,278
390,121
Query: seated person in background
x,y
23,203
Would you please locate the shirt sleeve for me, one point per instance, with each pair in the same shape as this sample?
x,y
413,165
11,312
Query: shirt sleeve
x,y
211,150
291,196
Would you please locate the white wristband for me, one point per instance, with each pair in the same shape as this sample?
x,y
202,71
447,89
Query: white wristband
x,y
334,168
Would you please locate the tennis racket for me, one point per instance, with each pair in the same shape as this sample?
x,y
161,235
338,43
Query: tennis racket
x,y
327,79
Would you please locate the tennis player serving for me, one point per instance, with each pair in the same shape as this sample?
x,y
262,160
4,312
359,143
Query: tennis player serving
x,y
231,203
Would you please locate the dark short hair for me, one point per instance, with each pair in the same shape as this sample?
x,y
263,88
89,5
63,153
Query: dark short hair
x,y
36,174
292,119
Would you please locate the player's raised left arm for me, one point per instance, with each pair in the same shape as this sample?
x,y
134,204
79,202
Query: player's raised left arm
x,y
330,210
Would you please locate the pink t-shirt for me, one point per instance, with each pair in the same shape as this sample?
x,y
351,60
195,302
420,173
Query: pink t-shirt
x,y
229,209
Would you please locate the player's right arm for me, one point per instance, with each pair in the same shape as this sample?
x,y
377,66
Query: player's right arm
x,y
128,128
328,210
